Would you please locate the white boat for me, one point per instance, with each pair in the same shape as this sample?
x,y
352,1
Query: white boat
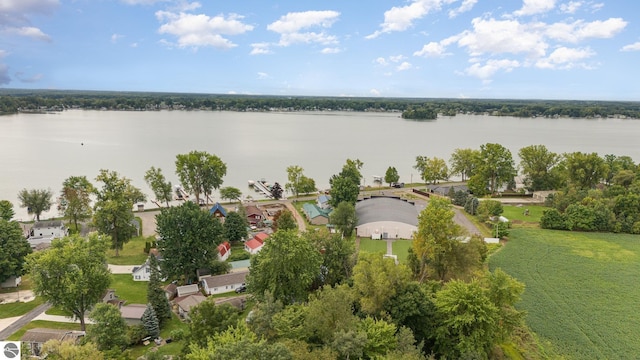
x,y
377,178
251,182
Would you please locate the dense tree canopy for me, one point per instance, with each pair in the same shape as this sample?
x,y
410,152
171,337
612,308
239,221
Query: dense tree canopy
x,y
160,186
345,186
188,240
463,162
537,165
76,199
14,249
431,169
391,175
298,183
200,172
235,226
230,193
495,168
344,218
72,274
108,330
6,210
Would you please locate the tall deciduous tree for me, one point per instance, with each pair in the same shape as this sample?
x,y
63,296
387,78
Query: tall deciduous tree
x,y
298,183
338,255
72,274
113,209
36,201
109,329
188,240
209,319
432,169
230,193
161,188
200,172
284,220
495,169
537,163
463,162
76,199
286,266
156,296
235,226
67,350
584,171
436,242
345,186
391,176
14,249
6,210
344,218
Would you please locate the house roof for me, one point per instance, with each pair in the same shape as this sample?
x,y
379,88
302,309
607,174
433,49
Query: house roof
x,y
217,208
313,211
133,311
189,301
324,199
253,244
444,189
42,335
261,236
226,279
188,290
224,247
47,224
171,288
386,209
253,210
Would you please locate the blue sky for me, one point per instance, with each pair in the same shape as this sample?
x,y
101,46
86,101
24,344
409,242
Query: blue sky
x,y
529,49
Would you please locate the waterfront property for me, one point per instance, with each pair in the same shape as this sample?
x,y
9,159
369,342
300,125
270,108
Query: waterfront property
x,y
386,218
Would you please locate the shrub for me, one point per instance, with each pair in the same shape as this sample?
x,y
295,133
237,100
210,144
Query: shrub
x,y
178,334
579,217
553,219
135,334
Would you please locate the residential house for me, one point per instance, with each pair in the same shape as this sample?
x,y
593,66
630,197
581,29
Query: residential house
x,y
218,211
132,314
323,201
254,245
254,215
187,290
171,291
43,232
11,282
109,296
35,338
315,214
143,272
219,284
224,251
186,303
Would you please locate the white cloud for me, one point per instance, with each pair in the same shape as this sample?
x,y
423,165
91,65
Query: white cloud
x,y
28,6
262,75
195,30
402,18
580,30
571,7
533,7
330,50
28,31
15,14
596,7
404,66
396,58
381,61
565,58
486,71
260,49
631,47
466,5
432,49
291,26
503,36
133,45
374,92
116,37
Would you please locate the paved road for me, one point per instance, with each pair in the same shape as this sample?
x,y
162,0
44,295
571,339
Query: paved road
x,y
4,334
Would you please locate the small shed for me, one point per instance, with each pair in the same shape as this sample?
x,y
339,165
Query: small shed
x,y
132,314
185,304
187,290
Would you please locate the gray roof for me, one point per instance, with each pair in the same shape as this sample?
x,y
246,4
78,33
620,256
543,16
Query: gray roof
x,y
386,209
42,335
47,224
133,311
226,279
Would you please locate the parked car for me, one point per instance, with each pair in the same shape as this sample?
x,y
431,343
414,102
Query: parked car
x,y
242,288
397,185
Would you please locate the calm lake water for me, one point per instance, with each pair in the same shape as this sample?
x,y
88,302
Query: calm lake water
x,y
41,150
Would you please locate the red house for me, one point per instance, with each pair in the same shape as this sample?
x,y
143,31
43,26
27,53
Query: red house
x,y
254,215
224,250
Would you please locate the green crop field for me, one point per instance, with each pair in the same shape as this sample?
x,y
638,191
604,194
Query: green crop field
x,y
581,289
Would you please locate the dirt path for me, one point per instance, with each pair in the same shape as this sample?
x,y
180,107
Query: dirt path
x,y
302,225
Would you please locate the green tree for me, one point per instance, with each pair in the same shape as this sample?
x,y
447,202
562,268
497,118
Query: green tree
x,y
431,169
504,292
188,240
235,226
14,249
261,320
276,191
109,329
380,337
230,193
298,183
436,244
76,199
338,255
161,188
209,319
330,310
344,218
36,201
537,163
156,295
72,274
412,307
468,321
345,186
200,172
585,171
284,220
150,322
67,350
113,209
463,162
376,280
6,210
286,266
391,176
495,169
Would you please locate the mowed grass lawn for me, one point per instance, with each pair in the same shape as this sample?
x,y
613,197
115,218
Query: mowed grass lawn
x,y
582,290
516,215
398,247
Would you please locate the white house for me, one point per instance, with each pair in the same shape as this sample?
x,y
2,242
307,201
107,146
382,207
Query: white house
x,y
43,232
219,284
142,272
11,282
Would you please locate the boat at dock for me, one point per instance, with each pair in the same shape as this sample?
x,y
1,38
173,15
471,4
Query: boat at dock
x,y
262,186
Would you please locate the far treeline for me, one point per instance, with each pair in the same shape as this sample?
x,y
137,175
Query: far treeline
x,y
14,100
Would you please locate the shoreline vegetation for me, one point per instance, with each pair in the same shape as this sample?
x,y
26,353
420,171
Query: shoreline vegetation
x,y
14,101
